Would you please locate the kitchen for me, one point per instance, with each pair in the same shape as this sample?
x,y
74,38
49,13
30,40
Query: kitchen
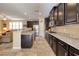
x,y
62,34
54,33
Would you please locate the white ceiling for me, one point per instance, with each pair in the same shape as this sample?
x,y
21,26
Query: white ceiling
x,y
31,10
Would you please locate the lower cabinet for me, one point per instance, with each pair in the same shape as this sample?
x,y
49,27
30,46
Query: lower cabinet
x,y
61,51
47,37
26,41
51,41
73,51
61,48
54,45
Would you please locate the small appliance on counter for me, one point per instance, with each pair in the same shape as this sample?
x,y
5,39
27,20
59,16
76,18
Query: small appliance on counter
x,y
52,30
51,26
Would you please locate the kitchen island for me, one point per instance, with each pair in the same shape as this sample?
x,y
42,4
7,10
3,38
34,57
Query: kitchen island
x,y
27,39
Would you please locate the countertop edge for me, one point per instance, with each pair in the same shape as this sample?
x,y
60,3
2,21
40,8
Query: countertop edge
x,y
68,40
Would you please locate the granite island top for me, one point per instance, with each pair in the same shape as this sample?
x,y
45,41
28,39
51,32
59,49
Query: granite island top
x,y
27,33
74,42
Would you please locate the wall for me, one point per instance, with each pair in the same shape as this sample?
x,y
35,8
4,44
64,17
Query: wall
x,y
17,39
72,29
41,27
45,8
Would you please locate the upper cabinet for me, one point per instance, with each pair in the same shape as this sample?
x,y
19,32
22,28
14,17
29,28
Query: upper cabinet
x,y
55,16
51,15
70,13
47,23
65,13
78,12
31,23
61,14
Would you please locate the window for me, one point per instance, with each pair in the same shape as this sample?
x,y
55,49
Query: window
x,y
15,25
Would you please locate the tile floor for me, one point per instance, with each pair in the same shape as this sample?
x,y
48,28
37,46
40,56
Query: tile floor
x,y
40,48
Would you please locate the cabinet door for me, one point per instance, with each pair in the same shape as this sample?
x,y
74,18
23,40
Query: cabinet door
x,y
49,38
47,23
61,14
73,51
54,45
61,51
46,36
78,12
26,41
70,13
55,15
51,41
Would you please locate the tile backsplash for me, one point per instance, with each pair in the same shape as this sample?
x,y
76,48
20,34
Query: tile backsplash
x,y
72,29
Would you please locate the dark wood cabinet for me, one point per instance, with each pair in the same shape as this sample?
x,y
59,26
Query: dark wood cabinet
x,y
61,48
60,14
78,12
51,41
70,13
47,37
31,23
65,13
55,16
73,51
26,41
61,51
54,47
47,20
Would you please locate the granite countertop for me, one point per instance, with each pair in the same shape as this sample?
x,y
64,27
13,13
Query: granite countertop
x,y
27,33
74,42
